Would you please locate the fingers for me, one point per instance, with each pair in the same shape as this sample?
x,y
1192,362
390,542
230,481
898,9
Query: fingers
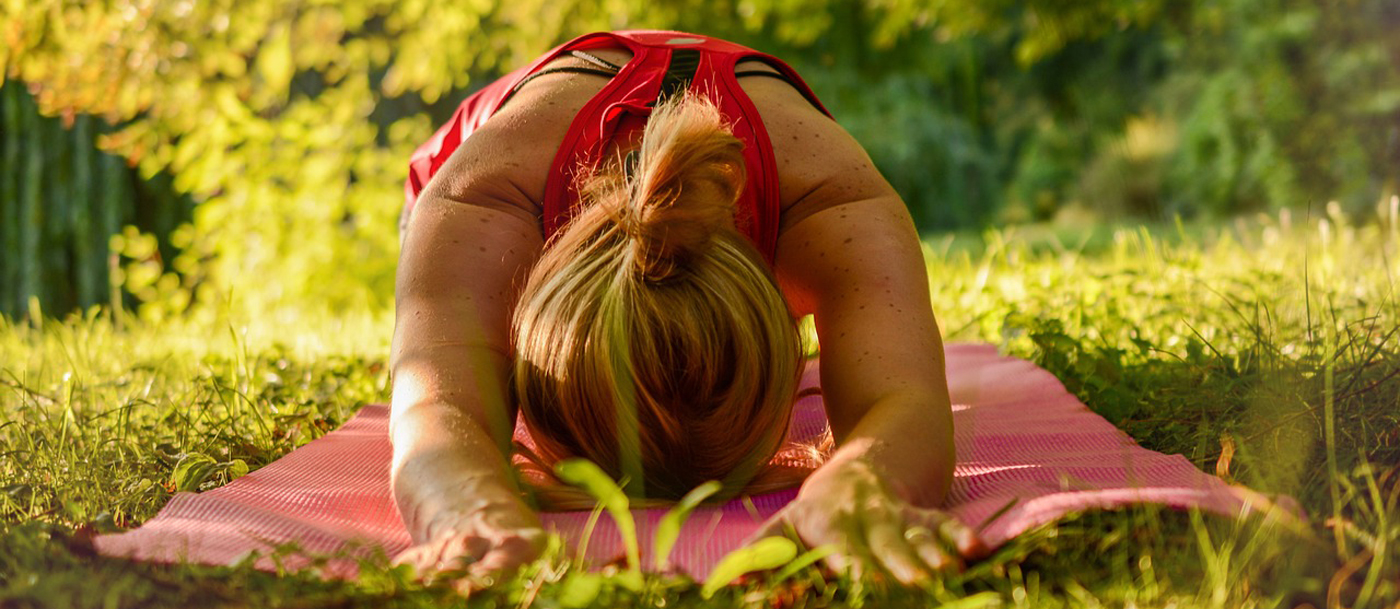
x,y
961,537
919,542
880,535
461,552
509,553
925,543
853,556
474,555
415,557
922,541
818,529
449,553
895,553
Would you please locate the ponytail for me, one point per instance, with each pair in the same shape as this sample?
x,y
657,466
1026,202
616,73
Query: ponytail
x,y
677,191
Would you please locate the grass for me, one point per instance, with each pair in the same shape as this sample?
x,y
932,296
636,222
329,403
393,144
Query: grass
x,y
1266,351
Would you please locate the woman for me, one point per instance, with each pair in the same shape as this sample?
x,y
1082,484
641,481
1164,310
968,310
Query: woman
x,y
620,249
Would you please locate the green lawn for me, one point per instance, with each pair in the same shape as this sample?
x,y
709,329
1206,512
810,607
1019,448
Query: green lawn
x,y
1265,351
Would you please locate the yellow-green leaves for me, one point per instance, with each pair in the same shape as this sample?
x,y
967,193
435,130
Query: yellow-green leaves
x,y
584,474
764,554
580,590
275,65
806,559
194,469
669,529
191,471
274,113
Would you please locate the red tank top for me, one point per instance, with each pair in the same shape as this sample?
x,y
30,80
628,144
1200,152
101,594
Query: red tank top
x,y
659,57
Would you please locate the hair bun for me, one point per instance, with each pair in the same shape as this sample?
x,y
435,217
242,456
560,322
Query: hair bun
x,y
679,189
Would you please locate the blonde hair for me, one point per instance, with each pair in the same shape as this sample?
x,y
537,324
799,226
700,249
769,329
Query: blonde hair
x,y
651,338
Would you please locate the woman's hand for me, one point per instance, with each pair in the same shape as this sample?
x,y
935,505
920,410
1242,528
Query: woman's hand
x,y
848,506
493,532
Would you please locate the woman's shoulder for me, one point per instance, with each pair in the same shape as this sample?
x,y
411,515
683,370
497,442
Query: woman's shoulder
x,y
506,159
819,164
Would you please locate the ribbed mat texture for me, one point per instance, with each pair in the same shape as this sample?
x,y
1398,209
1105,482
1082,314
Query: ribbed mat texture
x,y
1022,441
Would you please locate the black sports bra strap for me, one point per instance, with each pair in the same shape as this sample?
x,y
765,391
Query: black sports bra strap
x,y
569,69
777,75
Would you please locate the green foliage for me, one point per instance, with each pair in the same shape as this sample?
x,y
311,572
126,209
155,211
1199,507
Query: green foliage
x,y
762,555
263,112
193,470
803,561
1254,316
168,408
60,200
669,529
291,122
1300,107
591,478
942,164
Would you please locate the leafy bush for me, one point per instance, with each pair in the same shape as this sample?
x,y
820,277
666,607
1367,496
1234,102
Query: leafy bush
x,y
290,122
1284,104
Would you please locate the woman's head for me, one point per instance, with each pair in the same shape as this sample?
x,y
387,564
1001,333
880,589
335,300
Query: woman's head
x,y
651,338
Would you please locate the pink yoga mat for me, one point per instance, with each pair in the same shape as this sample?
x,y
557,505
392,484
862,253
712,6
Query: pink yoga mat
x,y
1022,441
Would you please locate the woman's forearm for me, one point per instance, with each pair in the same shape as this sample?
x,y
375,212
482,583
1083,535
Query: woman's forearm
x,y
451,425
907,439
446,466
450,421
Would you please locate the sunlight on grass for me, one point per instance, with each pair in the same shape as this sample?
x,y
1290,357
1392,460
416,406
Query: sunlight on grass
x,y
1267,352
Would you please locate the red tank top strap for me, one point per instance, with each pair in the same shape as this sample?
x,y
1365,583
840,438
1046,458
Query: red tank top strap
x,y
469,116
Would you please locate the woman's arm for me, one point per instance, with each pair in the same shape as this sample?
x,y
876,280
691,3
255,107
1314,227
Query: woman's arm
x,y
473,236
858,269
451,421
857,266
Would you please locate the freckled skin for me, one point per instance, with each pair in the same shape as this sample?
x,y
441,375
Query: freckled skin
x,y
473,237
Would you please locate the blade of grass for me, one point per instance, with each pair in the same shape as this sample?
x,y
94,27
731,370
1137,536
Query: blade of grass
x,y
761,555
588,476
669,529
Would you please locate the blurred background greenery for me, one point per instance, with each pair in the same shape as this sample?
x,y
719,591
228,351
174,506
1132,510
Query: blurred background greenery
x,y
175,157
